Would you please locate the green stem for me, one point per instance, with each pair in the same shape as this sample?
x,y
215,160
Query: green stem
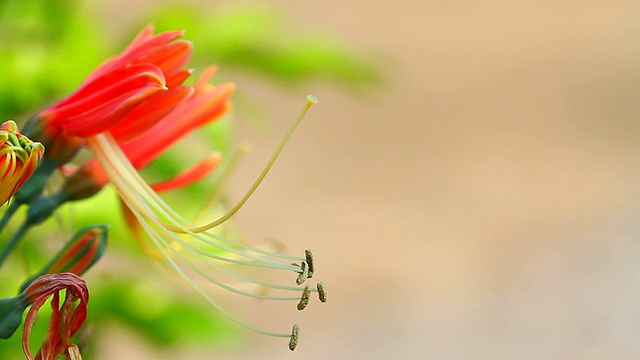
x,y
13,241
30,190
43,207
39,211
11,210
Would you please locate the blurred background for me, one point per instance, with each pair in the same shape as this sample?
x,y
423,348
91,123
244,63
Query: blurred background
x,y
468,181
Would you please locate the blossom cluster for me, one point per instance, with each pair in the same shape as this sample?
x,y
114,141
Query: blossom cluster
x,y
127,112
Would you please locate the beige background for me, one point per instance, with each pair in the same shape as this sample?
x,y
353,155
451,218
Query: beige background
x,y
484,205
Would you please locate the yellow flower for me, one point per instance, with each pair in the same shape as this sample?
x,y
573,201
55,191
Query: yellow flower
x,y
19,157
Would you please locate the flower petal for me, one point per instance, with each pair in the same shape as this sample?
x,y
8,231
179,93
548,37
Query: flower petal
x,y
141,45
149,112
192,113
108,114
190,175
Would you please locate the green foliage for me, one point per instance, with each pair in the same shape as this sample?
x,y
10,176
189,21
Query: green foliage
x,y
47,48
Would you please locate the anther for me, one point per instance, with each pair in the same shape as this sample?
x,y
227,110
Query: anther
x,y
304,274
309,256
295,334
322,292
304,299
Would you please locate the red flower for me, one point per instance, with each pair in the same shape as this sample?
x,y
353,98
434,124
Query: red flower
x,y
201,104
127,138
65,320
150,69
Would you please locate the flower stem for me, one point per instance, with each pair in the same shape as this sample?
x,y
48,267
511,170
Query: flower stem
x,y
13,241
11,210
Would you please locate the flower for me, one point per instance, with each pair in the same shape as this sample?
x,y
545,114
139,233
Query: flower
x,y
128,137
149,70
19,157
65,320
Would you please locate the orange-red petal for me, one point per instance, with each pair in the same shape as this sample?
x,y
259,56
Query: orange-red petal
x,y
149,113
140,46
106,115
190,175
192,113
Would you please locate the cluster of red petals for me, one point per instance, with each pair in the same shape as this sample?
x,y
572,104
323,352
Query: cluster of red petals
x,y
206,104
65,320
155,125
150,69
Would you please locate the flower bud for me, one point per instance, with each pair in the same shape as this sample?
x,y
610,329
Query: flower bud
x,y
86,181
79,254
19,157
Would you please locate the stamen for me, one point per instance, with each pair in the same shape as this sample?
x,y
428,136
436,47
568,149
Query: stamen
x,y
309,256
130,184
163,225
250,280
133,189
295,334
219,239
220,283
304,275
155,238
310,101
147,205
206,257
258,260
221,176
304,299
322,292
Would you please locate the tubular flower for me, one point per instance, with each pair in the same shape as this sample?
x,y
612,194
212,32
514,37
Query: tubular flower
x,y
202,105
150,69
19,157
66,319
